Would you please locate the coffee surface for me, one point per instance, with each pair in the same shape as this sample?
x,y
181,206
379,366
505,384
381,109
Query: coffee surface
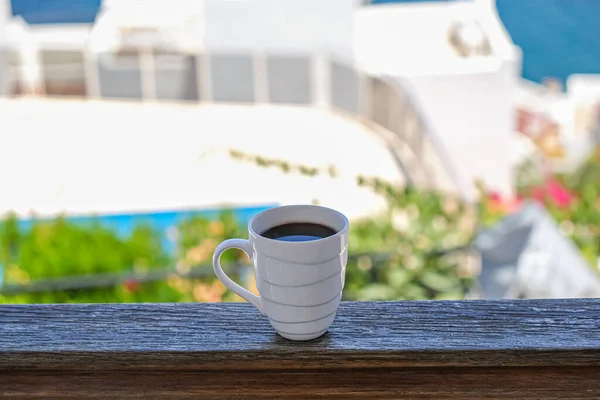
x,y
298,232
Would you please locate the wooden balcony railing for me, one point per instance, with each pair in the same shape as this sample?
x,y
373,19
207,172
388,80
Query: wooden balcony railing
x,y
522,349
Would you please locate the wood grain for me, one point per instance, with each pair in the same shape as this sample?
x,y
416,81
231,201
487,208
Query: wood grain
x,y
409,383
430,349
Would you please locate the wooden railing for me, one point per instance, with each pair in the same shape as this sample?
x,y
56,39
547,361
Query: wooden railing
x,y
523,349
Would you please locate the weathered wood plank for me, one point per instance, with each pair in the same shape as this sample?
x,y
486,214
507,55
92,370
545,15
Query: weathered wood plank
x,y
464,349
198,335
411,383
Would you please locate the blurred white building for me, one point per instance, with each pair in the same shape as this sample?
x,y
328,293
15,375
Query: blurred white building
x,y
439,76
461,67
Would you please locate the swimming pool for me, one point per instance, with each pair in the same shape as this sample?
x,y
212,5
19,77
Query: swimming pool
x,y
161,221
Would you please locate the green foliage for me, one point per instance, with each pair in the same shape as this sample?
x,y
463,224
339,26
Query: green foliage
x,y
404,253
410,235
285,166
573,200
148,292
59,248
580,220
400,249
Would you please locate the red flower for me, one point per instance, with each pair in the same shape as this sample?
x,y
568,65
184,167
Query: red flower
x,y
131,285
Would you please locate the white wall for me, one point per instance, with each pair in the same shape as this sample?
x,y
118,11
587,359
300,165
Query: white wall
x,y
467,102
280,25
5,14
583,93
500,40
406,38
413,38
472,116
585,87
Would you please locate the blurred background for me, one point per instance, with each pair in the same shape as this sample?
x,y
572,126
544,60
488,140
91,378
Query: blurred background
x,y
460,138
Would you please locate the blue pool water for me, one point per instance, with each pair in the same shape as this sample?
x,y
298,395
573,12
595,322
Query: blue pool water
x,y
124,224
161,221
558,37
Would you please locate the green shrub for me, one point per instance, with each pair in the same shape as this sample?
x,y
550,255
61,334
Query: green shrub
x,y
400,254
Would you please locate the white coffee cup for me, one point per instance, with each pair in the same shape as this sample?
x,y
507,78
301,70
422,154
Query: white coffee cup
x,y
300,283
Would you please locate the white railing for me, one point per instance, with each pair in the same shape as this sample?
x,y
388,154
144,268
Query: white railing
x,y
316,79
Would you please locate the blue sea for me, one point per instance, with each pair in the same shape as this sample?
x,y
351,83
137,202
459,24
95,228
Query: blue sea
x,y
558,37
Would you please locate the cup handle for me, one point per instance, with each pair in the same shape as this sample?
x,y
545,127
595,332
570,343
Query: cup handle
x,y
246,247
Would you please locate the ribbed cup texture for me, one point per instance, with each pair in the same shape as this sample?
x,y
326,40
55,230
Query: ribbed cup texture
x,y
300,299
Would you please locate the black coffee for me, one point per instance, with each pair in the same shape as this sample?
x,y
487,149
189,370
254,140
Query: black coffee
x,y
298,232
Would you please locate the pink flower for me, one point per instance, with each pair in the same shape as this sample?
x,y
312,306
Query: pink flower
x,y
495,197
559,194
552,191
499,204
